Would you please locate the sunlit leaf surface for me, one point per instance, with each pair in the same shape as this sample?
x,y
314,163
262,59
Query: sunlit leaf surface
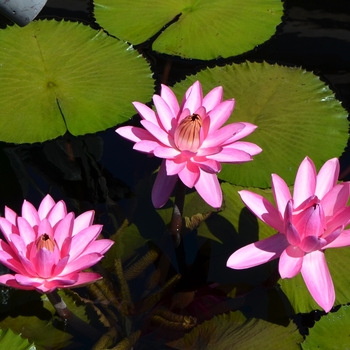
x,y
295,113
10,340
203,29
330,332
63,76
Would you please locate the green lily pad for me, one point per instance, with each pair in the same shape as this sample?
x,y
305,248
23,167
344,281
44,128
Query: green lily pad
x,y
295,112
234,331
330,332
34,322
64,76
10,340
204,29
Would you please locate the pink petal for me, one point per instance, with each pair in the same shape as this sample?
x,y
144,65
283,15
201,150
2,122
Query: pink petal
x,y
17,244
281,193
30,213
291,261
83,221
220,114
145,112
57,213
26,281
82,239
60,266
229,155
45,206
45,227
26,231
340,219
11,216
245,130
173,168
305,182
263,209
258,253
27,264
189,174
7,228
310,244
146,146
84,278
203,152
327,177
157,132
209,189
318,279
163,187
343,240
336,199
99,246
193,97
164,112
166,152
213,98
331,237
208,165
66,246
184,113
64,229
292,234
44,263
10,281
10,258
135,134
311,222
218,137
169,97
81,263
248,147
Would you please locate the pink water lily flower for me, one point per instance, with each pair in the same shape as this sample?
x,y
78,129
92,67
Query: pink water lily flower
x,y
190,140
48,248
307,224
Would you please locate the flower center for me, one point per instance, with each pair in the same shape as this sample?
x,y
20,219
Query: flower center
x,y
45,241
187,134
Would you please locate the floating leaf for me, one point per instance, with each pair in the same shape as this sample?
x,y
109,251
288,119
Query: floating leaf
x,y
64,76
295,113
204,29
10,340
233,331
330,332
34,322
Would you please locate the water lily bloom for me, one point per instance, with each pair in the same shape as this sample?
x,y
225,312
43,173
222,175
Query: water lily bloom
x,y
307,224
48,248
190,140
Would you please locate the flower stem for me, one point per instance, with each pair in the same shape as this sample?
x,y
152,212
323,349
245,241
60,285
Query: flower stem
x,y
176,219
71,319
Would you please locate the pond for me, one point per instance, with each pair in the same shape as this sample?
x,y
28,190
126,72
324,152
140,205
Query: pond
x,y
194,254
